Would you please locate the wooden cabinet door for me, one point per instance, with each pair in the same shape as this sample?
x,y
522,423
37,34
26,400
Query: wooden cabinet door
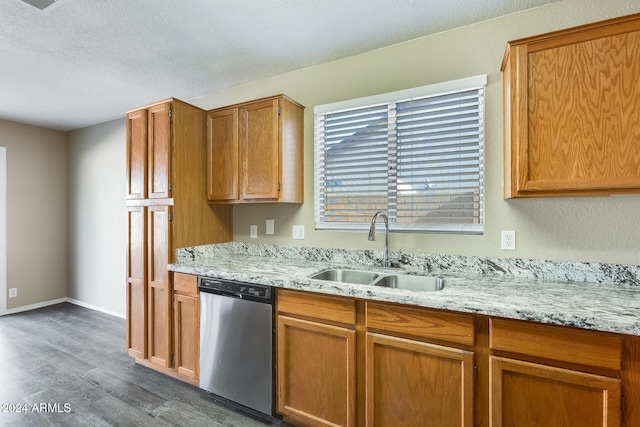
x,y
159,316
260,150
160,151
136,282
316,372
572,111
410,383
137,154
525,394
187,335
222,155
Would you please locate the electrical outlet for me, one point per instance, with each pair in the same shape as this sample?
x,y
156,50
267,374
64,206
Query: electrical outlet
x,y
298,232
253,231
13,292
508,242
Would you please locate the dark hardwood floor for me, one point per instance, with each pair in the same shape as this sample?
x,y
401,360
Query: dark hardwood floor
x,y
66,365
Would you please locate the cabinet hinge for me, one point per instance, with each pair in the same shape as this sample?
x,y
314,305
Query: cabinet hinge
x,y
278,186
475,371
171,360
170,112
170,187
170,217
279,110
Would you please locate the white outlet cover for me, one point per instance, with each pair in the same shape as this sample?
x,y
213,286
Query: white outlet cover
x,y
253,231
508,241
13,292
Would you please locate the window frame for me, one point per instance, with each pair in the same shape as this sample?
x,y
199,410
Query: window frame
x,y
478,82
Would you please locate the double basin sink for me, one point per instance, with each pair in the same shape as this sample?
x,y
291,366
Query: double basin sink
x,y
412,282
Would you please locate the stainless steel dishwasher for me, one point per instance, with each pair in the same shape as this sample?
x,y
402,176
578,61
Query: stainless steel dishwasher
x,y
236,342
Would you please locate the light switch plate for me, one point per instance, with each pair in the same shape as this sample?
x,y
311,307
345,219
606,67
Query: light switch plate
x,y
253,233
13,292
298,232
270,227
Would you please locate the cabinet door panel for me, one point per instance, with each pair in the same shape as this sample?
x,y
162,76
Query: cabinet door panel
x,y
409,382
136,282
137,154
159,151
316,372
525,394
159,315
222,155
187,335
259,136
572,111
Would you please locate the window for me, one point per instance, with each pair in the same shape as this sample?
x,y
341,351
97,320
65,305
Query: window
x,y
417,155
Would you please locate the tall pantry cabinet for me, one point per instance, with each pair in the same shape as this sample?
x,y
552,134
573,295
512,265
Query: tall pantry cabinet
x,y
166,209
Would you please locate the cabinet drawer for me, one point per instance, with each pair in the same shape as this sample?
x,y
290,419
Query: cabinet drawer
x,y
423,323
334,309
185,283
582,347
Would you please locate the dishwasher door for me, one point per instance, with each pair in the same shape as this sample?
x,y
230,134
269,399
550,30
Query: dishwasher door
x,y
236,350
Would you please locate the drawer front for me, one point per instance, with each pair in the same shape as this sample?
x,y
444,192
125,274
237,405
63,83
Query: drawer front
x,y
579,346
334,309
423,323
185,283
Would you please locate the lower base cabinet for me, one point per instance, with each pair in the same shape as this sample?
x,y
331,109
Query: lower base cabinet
x,y
528,395
342,363
316,379
186,326
316,359
348,362
408,382
186,334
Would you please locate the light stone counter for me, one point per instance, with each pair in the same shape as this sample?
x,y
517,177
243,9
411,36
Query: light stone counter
x,y
610,302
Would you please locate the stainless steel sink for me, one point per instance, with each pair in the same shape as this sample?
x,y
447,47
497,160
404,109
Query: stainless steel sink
x,y
411,282
346,276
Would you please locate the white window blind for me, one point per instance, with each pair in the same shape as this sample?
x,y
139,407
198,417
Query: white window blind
x,y
417,155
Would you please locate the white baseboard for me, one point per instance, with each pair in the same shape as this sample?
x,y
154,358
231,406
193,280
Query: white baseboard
x,y
96,308
35,306
61,300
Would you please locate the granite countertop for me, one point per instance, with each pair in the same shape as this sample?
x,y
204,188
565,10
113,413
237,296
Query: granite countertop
x,y
598,306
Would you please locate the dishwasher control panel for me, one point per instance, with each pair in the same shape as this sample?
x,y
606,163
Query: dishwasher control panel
x,y
235,289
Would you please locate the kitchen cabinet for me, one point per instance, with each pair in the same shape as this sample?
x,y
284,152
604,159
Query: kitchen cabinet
x,y
346,362
255,152
167,209
410,380
186,303
316,359
572,111
555,376
159,293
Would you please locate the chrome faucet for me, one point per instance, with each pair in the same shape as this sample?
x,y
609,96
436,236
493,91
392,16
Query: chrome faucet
x,y
372,236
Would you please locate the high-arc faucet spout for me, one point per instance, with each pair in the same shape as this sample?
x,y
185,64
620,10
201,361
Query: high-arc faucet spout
x,y
372,235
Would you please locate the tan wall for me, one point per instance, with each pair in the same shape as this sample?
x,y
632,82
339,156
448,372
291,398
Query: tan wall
x,y
580,229
36,213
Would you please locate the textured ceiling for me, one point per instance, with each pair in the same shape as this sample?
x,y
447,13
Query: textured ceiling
x,y
79,63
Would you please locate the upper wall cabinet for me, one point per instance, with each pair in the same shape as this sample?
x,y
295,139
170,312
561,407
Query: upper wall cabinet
x,y
148,152
572,111
255,152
